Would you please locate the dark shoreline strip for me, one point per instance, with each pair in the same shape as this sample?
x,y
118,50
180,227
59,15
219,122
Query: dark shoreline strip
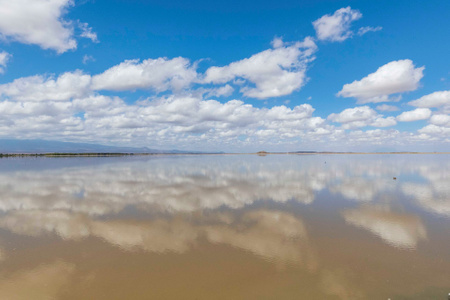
x,y
165,154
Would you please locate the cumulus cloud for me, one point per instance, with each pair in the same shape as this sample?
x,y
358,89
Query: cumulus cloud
x,y
70,106
273,72
439,127
392,78
38,22
364,30
440,120
386,107
435,130
336,27
40,88
436,99
52,110
223,91
158,74
360,117
4,58
353,114
414,115
384,122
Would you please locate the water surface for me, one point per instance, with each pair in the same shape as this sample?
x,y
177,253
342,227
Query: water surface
x,y
225,227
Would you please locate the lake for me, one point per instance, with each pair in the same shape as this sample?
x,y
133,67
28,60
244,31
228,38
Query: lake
x,y
225,227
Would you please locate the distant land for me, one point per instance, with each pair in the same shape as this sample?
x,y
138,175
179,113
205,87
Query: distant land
x,y
12,146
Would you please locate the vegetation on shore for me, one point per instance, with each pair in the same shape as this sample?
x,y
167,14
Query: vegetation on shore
x,y
69,154
260,153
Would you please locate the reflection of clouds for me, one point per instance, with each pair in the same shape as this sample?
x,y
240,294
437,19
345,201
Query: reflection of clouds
x,y
270,234
273,235
434,194
71,201
192,186
78,202
430,197
157,236
361,189
42,282
176,204
189,184
37,223
425,178
398,229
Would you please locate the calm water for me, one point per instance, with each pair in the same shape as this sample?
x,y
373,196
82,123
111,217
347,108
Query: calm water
x,y
226,227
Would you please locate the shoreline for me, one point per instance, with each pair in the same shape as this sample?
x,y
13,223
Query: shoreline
x,y
261,153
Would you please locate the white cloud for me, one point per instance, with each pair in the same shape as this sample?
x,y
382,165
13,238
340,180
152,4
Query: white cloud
x,y
274,72
38,22
439,128
176,119
277,42
414,115
384,122
436,99
271,73
223,91
360,117
360,113
376,137
4,58
159,74
39,88
70,107
440,120
436,131
87,58
392,78
385,107
364,30
86,32
336,27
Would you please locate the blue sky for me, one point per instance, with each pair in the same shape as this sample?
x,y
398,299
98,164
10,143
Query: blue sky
x,y
233,76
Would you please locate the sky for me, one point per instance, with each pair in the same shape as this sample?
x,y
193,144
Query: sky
x,y
235,76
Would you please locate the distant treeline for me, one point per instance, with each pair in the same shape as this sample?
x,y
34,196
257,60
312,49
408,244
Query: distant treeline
x,y
69,154
93,154
260,153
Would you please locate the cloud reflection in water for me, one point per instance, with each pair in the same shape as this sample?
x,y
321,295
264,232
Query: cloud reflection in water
x,y
262,206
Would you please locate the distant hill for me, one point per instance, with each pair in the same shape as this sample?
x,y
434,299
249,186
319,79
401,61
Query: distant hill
x,y
43,146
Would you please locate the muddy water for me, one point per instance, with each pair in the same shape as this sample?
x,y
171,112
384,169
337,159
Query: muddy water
x,y
226,227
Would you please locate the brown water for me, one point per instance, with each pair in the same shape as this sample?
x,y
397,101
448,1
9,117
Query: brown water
x,y
226,227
